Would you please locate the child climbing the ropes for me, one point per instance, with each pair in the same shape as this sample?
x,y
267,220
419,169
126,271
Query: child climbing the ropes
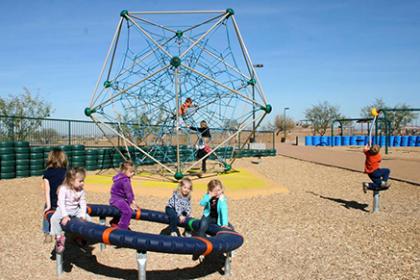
x,y
185,106
71,203
178,208
379,176
122,196
52,178
203,147
185,110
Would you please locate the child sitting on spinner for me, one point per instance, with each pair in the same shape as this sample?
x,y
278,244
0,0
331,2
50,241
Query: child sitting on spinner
x,y
71,203
122,196
179,205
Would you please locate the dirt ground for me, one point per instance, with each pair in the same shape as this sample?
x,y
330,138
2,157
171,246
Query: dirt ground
x,y
322,228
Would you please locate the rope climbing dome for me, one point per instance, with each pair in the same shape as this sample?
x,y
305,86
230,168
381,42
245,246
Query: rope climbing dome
x,y
155,62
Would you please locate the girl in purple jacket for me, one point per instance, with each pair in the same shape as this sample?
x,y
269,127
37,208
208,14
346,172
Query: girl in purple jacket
x,y
122,196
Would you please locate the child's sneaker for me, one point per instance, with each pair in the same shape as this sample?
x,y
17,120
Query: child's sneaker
x,y
187,234
385,184
174,234
365,186
59,244
200,258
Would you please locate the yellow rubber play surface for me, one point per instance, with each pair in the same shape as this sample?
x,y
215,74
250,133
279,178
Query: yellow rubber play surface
x,y
240,183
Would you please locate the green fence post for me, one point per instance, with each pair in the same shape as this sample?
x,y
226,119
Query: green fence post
x,y
69,132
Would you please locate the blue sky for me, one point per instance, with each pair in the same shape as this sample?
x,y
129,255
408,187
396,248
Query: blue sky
x,y
345,52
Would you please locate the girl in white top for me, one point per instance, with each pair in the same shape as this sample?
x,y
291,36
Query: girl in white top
x,y
71,203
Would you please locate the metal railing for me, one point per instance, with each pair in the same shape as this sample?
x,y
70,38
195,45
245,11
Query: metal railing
x,y
50,131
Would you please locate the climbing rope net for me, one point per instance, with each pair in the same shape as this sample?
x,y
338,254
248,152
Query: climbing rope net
x,y
158,60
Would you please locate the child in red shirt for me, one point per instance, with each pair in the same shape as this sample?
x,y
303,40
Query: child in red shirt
x,y
184,107
186,110
379,176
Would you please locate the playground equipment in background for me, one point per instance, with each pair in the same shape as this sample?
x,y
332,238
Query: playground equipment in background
x,y
222,240
152,67
379,125
361,140
342,122
389,141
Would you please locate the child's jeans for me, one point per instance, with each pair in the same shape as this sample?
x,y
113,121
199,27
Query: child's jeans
x,y
45,226
200,154
173,219
379,175
125,211
204,224
45,222
56,220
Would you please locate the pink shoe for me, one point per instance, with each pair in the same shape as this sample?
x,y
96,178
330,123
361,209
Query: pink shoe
x,y
59,244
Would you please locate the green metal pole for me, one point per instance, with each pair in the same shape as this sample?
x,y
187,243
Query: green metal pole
x,y
69,132
388,123
389,135
332,133
387,138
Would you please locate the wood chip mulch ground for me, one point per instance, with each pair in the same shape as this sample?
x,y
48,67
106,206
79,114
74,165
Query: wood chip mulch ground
x,y
322,228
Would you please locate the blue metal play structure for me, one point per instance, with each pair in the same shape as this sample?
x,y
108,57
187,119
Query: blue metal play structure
x,y
221,239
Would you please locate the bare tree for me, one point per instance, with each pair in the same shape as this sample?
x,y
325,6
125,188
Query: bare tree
x,y
366,111
46,136
280,123
321,116
15,111
398,120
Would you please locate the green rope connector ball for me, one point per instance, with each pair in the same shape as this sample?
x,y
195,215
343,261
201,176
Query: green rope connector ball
x,y
267,108
228,167
230,12
175,61
178,175
252,82
179,34
124,13
107,84
89,111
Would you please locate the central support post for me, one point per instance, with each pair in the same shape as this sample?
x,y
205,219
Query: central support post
x,y
141,264
59,263
102,223
375,201
228,264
